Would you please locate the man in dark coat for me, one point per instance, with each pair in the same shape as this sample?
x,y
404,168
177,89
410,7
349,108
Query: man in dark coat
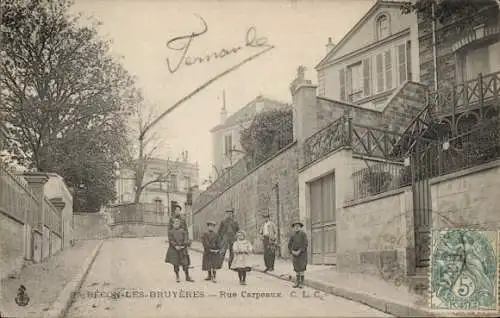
x,y
177,253
210,261
227,236
297,246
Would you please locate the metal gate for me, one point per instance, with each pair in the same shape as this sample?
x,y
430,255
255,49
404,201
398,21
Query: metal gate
x,y
424,161
323,220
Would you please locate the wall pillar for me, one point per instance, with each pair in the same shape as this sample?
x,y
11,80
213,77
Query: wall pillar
x,y
36,182
59,204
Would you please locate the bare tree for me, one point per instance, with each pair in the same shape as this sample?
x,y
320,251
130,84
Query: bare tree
x,y
145,149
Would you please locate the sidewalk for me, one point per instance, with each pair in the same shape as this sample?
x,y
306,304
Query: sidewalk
x,y
49,285
362,288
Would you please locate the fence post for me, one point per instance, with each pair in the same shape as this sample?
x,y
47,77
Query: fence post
x,y
36,183
481,96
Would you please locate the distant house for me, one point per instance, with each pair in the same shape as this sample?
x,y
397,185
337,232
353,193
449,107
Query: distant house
x,y
378,55
181,175
226,147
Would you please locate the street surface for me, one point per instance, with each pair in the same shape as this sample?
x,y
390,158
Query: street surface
x,y
134,269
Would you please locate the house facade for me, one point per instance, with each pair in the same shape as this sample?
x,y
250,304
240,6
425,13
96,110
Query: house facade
x,y
432,121
226,146
181,176
378,55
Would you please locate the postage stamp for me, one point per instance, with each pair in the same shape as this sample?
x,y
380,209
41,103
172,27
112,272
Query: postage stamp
x,y
464,270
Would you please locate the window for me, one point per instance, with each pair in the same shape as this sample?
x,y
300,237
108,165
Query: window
x,y
187,182
388,70
380,73
367,77
342,84
158,206
157,176
355,82
382,27
228,144
173,182
404,62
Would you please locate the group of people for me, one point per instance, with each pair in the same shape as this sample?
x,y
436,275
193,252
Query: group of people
x,y
229,237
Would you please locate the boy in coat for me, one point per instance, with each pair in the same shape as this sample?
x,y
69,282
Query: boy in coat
x,y
297,246
210,260
177,253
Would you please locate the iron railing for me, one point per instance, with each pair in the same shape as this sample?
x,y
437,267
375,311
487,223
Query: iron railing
x,y
469,94
379,178
363,140
140,213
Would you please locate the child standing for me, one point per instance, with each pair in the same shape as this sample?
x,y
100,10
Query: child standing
x,y
177,253
297,246
242,249
211,249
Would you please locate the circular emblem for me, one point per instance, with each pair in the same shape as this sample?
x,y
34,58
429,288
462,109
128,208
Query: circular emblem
x,y
464,287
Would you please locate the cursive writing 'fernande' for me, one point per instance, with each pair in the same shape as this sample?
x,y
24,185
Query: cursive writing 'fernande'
x,y
181,45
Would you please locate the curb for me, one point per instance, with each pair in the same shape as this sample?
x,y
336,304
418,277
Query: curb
x,y
380,304
60,307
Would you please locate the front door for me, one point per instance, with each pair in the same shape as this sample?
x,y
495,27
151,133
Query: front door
x,y
323,220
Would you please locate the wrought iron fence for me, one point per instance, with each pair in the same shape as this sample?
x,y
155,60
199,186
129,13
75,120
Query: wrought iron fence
x,y
380,177
475,92
363,140
432,158
474,147
141,213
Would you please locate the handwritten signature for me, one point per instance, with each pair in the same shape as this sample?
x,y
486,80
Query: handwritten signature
x,y
181,45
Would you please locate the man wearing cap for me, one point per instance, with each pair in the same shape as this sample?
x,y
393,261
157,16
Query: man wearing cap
x,y
227,235
269,234
297,246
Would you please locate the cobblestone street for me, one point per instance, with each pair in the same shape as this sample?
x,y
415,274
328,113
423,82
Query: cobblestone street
x,y
147,288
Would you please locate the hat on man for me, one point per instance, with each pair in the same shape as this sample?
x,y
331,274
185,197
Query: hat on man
x,y
211,223
265,213
297,222
230,211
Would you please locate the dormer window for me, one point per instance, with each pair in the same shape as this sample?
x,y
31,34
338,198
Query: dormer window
x,y
382,26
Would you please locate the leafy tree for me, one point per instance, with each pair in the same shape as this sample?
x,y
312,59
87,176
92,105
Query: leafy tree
x,y
269,131
65,99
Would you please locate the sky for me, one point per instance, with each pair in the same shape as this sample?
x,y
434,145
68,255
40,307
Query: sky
x,y
141,29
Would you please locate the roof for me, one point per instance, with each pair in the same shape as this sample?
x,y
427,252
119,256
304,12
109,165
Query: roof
x,y
249,111
356,27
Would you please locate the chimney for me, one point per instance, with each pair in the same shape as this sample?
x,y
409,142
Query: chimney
x,y
304,102
223,111
330,45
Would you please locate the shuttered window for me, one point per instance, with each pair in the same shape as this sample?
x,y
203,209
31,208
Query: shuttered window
x,y
402,63
380,73
342,85
367,77
388,70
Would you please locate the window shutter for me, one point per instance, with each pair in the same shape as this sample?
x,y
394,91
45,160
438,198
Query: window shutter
x,y
388,70
367,77
342,84
402,63
408,60
380,74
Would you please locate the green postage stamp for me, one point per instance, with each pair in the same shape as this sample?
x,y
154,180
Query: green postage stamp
x,y
464,270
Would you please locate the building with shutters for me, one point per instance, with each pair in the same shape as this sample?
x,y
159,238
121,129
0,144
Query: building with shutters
x,y
226,147
181,176
378,55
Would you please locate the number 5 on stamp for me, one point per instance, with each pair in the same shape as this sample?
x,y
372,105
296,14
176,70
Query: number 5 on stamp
x,y
464,270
